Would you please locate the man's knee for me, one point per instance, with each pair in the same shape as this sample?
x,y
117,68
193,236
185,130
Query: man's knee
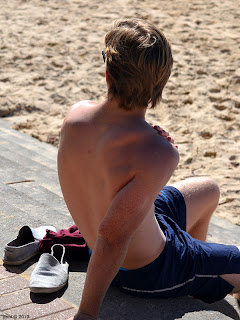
x,y
212,191
208,189
204,189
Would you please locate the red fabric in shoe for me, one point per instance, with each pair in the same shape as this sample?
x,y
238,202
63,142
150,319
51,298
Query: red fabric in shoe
x,y
73,241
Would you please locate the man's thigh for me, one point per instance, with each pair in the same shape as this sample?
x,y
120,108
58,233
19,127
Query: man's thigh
x,y
201,197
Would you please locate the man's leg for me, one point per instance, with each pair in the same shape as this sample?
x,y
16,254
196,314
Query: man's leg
x,y
201,196
234,280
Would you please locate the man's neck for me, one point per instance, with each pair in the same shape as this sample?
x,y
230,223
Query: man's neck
x,y
112,106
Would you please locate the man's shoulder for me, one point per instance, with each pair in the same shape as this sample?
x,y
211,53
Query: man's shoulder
x,y
142,144
77,110
78,115
157,151
146,152
75,122
82,104
152,159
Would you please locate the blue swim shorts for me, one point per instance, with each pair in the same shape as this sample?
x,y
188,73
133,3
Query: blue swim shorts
x,y
186,266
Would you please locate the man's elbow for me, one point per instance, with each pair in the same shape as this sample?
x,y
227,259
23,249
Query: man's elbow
x,y
113,238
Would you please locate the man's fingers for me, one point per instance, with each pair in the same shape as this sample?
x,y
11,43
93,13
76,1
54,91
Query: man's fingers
x,y
157,128
161,131
170,139
165,133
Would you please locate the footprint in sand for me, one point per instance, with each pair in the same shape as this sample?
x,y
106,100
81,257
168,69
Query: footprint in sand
x,y
206,134
210,154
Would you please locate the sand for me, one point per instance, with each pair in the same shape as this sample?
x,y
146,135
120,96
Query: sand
x,y
50,53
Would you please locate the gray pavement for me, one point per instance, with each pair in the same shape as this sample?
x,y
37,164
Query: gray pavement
x,y
30,195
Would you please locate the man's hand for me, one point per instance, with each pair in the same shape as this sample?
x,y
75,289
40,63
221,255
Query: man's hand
x,y
164,133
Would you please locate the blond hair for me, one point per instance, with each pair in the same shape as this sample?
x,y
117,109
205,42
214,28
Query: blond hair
x,y
139,62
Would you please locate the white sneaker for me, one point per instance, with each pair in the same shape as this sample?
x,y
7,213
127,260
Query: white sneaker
x,y
51,272
25,246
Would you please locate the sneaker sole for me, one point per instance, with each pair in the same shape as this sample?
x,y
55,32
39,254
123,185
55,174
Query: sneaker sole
x,y
17,263
46,290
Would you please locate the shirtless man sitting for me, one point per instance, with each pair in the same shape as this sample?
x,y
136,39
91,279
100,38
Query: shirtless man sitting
x,y
145,238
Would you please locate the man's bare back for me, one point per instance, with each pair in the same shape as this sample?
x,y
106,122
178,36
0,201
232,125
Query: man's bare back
x,y
103,151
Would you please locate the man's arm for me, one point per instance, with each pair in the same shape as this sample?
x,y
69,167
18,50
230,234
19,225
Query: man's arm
x,y
127,211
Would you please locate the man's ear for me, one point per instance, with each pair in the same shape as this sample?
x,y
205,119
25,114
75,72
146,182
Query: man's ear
x,y
106,74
